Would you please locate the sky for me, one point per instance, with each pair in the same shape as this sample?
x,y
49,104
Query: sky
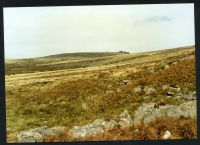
x,y
41,31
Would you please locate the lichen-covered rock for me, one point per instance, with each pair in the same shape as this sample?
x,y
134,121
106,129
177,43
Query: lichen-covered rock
x,y
171,90
137,89
125,122
125,119
125,114
148,112
37,134
54,130
86,130
101,126
149,90
32,135
190,95
98,126
188,109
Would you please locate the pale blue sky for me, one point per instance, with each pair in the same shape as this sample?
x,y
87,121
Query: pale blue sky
x,y
42,31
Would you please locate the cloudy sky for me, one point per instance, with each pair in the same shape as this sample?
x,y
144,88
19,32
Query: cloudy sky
x,y
42,31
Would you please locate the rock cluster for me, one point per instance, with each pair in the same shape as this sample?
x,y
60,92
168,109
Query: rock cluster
x,y
148,90
97,126
168,89
101,126
148,112
37,134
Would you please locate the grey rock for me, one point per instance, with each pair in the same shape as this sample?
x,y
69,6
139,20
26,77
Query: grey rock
x,y
32,135
171,90
137,89
188,109
149,113
167,135
190,95
101,126
125,122
88,129
97,126
174,63
109,124
37,134
149,90
125,119
85,131
98,122
126,81
55,130
166,66
125,114
26,140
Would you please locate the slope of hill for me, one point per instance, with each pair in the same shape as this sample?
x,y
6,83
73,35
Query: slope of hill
x,y
77,60
71,90
57,62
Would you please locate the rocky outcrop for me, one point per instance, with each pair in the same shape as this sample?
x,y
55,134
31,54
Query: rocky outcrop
x,y
37,134
149,112
96,127
101,126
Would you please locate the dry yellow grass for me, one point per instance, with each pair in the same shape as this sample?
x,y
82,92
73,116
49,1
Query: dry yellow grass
x,y
77,96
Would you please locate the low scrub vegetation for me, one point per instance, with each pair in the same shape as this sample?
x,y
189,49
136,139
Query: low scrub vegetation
x,y
179,128
79,96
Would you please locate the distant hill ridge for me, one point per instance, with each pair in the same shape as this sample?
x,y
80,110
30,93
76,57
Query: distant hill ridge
x,y
86,59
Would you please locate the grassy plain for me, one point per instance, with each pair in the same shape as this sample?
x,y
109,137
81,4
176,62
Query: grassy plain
x,y
75,89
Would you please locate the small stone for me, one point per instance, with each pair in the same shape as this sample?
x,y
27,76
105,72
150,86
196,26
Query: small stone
x,y
137,89
126,81
167,135
166,66
125,114
174,63
149,90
